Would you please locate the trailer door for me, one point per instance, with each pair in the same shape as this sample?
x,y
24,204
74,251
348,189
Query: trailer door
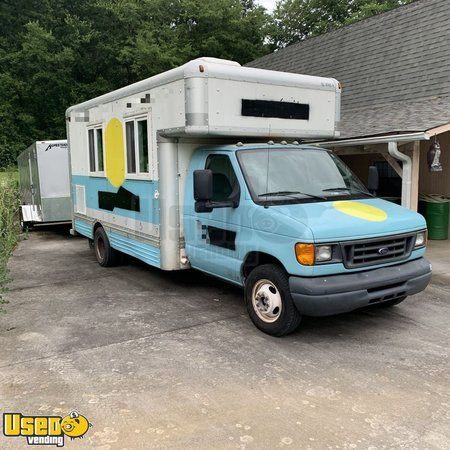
x,y
35,187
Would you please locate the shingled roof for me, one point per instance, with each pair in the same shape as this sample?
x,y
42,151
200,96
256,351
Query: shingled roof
x,y
394,68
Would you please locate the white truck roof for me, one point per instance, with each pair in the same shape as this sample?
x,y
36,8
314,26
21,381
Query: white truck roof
x,y
213,93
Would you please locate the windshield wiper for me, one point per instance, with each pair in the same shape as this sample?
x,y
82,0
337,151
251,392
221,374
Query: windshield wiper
x,y
348,189
290,194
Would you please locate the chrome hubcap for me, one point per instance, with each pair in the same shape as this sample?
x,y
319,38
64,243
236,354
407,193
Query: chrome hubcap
x,y
266,301
100,248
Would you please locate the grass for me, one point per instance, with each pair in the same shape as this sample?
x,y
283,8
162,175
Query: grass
x,y
9,224
8,176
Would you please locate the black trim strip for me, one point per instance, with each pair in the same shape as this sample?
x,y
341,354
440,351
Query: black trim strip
x,y
123,199
281,110
222,238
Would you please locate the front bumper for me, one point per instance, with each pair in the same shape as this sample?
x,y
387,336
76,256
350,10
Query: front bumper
x,y
324,296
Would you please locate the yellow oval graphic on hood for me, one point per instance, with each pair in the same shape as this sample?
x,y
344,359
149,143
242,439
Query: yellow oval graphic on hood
x,y
360,210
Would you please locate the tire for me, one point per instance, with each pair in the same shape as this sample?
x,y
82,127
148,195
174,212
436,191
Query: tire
x,y
390,303
24,226
269,301
105,254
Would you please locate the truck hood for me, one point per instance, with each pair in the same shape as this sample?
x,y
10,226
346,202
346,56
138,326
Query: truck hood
x,y
352,219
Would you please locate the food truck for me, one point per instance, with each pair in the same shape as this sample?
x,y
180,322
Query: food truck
x,y
203,167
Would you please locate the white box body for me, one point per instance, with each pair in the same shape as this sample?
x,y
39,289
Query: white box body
x,y
45,183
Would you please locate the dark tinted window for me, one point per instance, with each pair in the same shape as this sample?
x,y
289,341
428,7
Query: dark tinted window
x,y
143,145
99,134
91,150
131,154
224,178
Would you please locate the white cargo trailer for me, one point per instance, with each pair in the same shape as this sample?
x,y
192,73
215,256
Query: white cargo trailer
x,y
45,183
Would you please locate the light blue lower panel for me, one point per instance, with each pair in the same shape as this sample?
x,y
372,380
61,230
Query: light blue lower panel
x,y
145,252
84,228
140,250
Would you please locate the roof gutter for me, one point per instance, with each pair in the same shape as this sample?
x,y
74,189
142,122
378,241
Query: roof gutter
x,y
406,174
407,137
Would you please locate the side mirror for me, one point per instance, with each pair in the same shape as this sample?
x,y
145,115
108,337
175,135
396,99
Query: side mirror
x,y
203,190
203,185
373,180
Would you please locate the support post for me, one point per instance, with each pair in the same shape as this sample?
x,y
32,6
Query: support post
x,y
394,164
169,213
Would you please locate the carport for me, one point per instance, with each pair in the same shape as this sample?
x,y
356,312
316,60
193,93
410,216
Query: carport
x,y
394,69
407,154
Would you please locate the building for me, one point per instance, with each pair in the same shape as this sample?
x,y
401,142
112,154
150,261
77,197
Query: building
x,y
395,72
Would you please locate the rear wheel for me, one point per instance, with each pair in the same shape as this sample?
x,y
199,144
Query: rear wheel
x,y
105,254
269,302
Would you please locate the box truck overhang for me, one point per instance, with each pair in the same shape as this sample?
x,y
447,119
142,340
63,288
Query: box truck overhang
x,y
212,97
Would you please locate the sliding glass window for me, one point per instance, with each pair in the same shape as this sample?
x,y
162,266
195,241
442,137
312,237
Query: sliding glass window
x,y
136,132
131,148
143,146
91,150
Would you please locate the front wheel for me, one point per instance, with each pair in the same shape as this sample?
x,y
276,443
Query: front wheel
x,y
269,302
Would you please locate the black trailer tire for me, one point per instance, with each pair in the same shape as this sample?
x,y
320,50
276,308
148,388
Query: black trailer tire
x,y
269,301
24,226
105,254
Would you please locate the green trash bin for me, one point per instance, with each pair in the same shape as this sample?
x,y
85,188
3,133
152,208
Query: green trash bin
x,y
435,209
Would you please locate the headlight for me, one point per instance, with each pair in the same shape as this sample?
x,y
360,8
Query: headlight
x,y
421,239
323,253
310,254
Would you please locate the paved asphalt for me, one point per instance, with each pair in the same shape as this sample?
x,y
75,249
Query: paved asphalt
x,y
171,360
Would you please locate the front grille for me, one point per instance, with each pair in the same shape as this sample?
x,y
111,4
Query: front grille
x,y
376,251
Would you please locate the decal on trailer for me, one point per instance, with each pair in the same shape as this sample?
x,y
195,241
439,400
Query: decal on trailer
x,y
115,172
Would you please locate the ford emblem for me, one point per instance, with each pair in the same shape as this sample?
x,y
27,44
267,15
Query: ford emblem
x,y
383,250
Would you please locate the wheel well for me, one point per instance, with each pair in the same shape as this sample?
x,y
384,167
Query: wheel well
x,y
255,259
96,225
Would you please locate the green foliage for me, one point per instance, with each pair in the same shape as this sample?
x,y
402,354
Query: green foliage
x,y
55,53
9,223
294,20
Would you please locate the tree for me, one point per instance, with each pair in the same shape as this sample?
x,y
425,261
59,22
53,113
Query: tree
x,y
294,20
55,53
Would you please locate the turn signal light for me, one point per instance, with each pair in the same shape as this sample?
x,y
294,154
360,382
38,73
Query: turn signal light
x,y
305,254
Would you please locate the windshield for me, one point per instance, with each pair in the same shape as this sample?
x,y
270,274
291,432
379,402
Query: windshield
x,y
302,174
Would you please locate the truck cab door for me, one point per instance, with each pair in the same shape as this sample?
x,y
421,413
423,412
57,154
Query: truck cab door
x,y
212,238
